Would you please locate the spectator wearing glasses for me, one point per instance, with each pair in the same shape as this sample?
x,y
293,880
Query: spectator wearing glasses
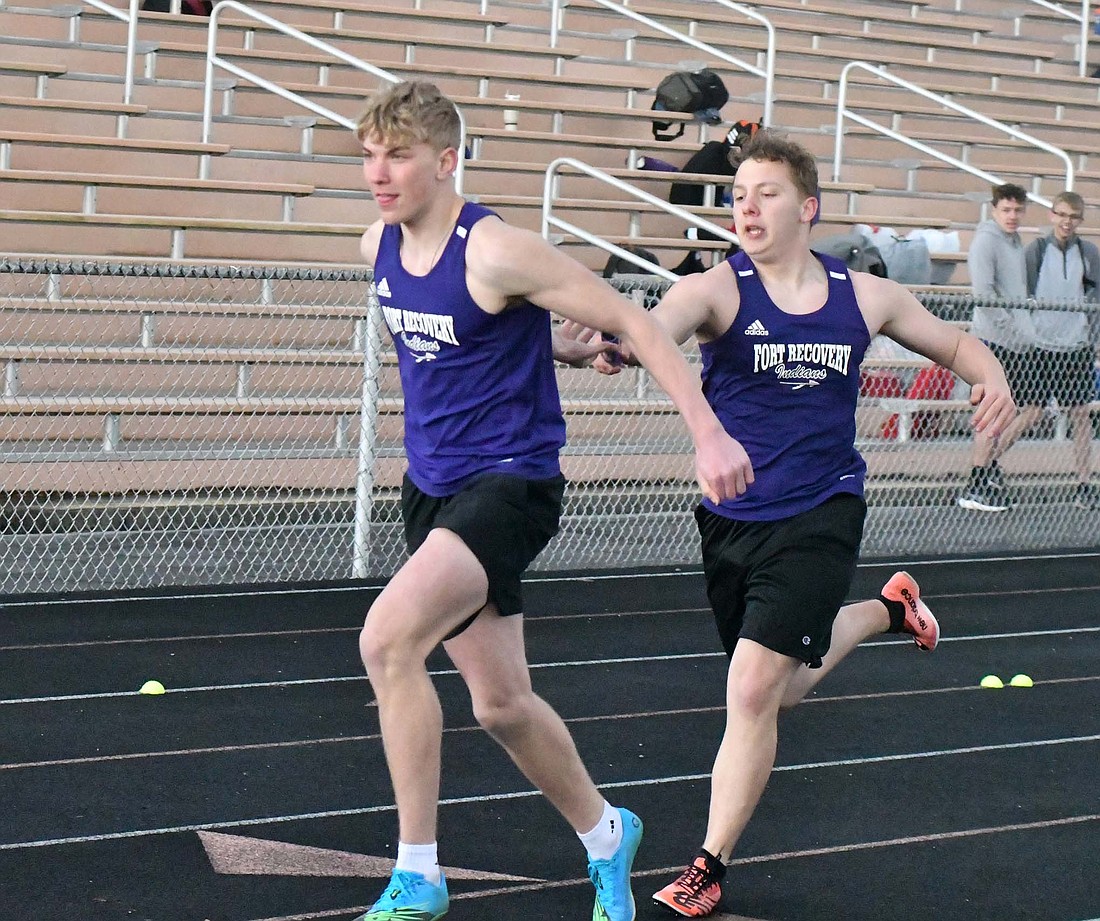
x,y
1061,267
998,270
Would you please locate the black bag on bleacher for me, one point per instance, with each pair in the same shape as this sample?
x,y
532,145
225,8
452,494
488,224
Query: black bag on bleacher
x,y
617,265
718,158
702,93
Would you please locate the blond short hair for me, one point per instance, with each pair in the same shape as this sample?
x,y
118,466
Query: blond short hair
x,y
412,112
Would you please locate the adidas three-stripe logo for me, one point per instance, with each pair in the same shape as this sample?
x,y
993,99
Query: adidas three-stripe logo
x,y
756,328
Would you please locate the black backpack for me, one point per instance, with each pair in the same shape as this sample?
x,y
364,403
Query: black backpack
x,y
702,93
720,158
617,265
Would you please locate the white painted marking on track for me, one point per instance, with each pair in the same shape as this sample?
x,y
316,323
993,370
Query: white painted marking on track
x,y
527,794
237,855
186,638
606,717
574,663
757,859
531,578
189,690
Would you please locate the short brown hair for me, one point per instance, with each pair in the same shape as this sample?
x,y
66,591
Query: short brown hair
x,y
1016,193
773,148
412,112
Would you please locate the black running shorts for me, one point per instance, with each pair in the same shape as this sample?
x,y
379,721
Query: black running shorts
x,y
504,520
781,583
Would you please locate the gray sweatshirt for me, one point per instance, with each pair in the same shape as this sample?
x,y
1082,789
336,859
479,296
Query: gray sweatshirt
x,y
1057,274
998,269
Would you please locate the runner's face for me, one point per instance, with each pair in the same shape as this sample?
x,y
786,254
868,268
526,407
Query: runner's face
x,y
404,178
768,210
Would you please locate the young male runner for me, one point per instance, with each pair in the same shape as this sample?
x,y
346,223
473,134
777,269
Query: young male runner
x,y
782,331
465,298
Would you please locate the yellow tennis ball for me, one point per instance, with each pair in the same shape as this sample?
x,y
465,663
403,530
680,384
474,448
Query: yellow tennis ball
x,y
992,681
152,687
1021,681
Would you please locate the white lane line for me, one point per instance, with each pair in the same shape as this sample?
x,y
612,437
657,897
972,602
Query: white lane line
x,y
536,578
745,861
263,634
527,794
600,718
185,638
576,663
534,666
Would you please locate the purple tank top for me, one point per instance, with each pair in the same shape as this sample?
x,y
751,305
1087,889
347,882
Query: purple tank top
x,y
480,391
785,386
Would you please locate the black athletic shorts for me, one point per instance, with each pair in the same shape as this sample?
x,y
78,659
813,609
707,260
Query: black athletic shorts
x,y
1037,375
781,583
504,520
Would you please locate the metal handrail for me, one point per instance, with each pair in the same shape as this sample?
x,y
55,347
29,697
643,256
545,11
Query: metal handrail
x,y
549,194
214,60
842,112
1083,19
767,72
130,17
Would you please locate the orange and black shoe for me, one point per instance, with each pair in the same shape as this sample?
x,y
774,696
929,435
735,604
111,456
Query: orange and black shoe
x,y
913,616
695,893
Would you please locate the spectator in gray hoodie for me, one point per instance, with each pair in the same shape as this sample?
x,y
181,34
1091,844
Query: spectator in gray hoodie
x,y
998,270
1063,267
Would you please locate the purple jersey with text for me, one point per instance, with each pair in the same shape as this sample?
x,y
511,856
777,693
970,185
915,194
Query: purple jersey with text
x,y
480,391
785,386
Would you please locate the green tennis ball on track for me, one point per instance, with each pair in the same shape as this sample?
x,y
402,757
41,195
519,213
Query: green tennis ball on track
x,y
1021,681
992,681
152,687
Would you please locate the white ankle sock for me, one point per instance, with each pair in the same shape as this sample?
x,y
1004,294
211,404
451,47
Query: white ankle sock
x,y
420,858
604,840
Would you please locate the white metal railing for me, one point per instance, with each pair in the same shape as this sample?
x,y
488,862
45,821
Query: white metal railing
x,y
550,196
213,59
130,17
767,73
1083,19
843,112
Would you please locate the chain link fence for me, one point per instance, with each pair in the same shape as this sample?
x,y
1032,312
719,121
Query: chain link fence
x,y
176,424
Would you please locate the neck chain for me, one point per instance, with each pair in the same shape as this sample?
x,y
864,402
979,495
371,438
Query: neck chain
x,y
439,249
442,240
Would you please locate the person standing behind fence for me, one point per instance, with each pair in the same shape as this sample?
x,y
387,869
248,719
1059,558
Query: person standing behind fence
x,y
998,270
1061,266
466,299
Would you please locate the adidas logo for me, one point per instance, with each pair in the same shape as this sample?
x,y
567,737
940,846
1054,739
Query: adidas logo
x,y
756,328
383,288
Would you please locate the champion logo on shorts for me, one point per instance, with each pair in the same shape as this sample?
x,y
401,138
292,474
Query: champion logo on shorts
x,y
756,328
383,288
805,641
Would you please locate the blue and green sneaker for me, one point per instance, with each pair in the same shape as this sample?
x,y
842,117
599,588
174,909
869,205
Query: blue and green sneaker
x,y
409,897
611,877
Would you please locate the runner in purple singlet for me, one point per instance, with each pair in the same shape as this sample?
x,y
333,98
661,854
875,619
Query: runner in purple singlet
x,y
466,299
